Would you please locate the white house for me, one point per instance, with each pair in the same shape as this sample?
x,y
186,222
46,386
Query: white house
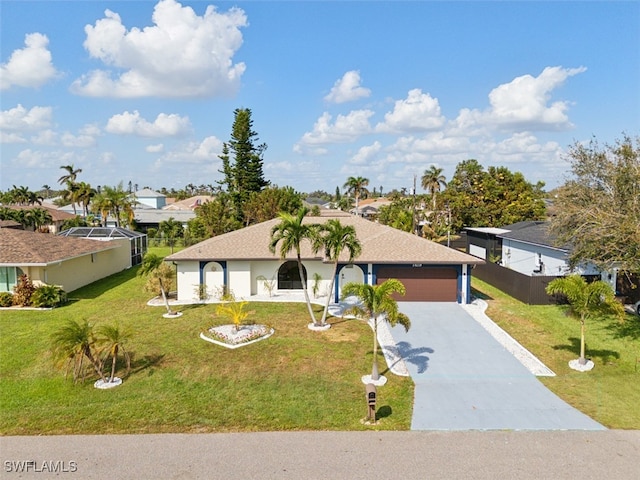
x,y
240,262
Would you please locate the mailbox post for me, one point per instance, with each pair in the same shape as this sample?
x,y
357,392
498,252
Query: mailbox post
x,y
370,389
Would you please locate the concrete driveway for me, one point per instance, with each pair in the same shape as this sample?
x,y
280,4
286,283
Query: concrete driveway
x,y
466,380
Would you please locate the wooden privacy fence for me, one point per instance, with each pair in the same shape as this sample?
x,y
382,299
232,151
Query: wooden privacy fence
x,y
527,289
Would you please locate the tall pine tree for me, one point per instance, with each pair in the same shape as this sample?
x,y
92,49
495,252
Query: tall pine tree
x,y
242,159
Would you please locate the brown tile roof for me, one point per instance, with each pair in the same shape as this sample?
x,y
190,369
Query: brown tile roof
x,y
56,214
20,247
380,244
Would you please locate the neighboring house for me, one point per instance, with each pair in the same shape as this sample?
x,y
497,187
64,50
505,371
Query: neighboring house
x,y
370,207
137,240
523,258
150,198
11,224
50,259
239,262
58,217
151,218
189,204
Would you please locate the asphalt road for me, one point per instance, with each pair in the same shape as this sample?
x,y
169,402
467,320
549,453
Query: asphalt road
x,y
328,455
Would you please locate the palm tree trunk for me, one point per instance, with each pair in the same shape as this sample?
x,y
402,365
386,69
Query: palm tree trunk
x,y
330,293
583,360
113,363
94,362
374,369
304,289
164,297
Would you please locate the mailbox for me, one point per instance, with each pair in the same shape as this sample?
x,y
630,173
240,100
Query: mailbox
x,y
371,393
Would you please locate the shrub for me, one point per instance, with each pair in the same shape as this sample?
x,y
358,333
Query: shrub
x,y
48,296
6,299
23,290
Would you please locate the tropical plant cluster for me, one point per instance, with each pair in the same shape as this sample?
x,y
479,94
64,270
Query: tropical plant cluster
x,y
77,341
26,294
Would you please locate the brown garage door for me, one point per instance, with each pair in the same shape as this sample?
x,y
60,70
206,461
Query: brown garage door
x,y
423,284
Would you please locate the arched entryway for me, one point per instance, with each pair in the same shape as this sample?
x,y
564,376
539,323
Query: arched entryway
x,y
289,276
349,274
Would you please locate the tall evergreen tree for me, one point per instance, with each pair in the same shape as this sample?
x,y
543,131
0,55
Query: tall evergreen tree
x,y
242,160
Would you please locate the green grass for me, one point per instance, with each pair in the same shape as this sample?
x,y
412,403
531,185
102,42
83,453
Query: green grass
x,y
610,393
295,380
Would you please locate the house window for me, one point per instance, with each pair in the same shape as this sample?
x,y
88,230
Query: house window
x,y
8,278
289,276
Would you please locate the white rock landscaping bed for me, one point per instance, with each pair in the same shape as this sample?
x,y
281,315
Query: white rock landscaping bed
x,y
227,336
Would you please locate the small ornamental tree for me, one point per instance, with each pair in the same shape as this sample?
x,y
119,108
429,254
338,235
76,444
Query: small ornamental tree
x,y
112,339
235,311
585,301
376,304
23,291
74,342
160,277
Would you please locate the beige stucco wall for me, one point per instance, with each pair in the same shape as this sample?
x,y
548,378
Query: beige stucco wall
x,y
78,272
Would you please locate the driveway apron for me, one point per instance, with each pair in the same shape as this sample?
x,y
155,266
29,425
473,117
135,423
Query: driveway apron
x,y
466,380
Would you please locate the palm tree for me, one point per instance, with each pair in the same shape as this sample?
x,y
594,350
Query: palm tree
x,y
160,277
235,311
290,233
114,201
171,229
335,238
83,195
433,181
74,342
585,300
72,174
114,339
377,303
357,186
38,217
70,181
47,190
23,196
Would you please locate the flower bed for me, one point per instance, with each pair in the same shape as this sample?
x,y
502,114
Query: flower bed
x,y
227,336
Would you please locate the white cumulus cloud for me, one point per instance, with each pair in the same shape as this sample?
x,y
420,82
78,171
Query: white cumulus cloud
x,y
30,66
202,153
158,148
133,124
346,128
347,89
524,103
23,119
418,112
181,55
365,155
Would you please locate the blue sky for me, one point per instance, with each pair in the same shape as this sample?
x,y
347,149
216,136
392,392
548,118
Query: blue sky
x,y
145,91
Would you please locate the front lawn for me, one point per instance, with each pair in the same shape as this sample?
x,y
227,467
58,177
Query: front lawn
x,y
610,393
295,380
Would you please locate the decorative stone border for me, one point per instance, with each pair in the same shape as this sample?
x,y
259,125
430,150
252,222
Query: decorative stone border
x,y
105,385
319,328
236,345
